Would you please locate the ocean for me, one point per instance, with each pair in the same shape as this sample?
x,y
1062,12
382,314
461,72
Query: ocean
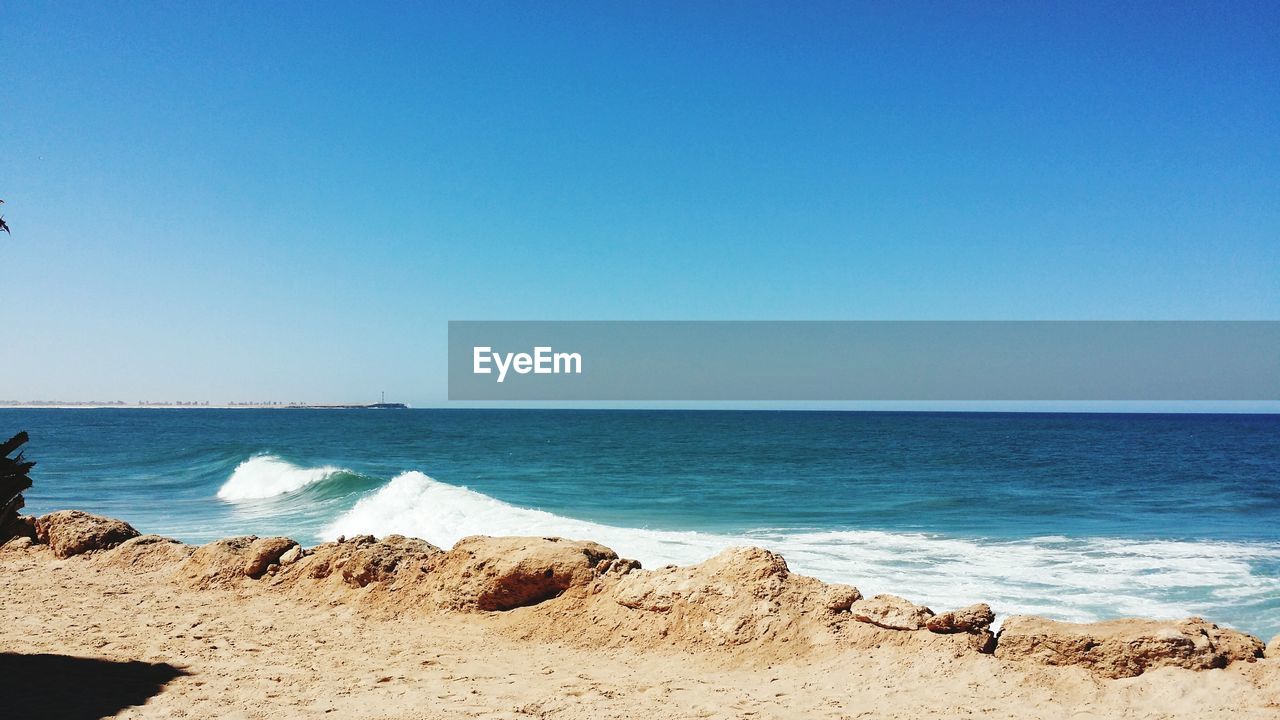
x,y
1073,516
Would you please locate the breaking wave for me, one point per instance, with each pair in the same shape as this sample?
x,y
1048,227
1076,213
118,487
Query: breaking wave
x,y
266,476
1075,579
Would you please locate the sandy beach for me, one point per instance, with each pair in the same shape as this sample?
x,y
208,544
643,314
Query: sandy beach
x,y
531,627
645,361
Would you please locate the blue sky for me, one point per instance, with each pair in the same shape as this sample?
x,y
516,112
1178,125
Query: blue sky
x,y
284,201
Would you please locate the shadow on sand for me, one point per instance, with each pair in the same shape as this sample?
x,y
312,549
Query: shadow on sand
x,y
76,688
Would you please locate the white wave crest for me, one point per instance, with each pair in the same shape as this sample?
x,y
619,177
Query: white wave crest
x,y
1075,579
416,505
264,476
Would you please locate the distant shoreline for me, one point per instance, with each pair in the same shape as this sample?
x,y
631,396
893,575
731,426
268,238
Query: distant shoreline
x,y
194,406
532,407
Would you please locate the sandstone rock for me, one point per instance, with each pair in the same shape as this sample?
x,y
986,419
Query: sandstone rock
x,y
378,561
891,612
22,542
1125,648
736,572
363,559
229,560
147,552
291,555
72,532
146,540
742,595
984,641
1273,648
969,619
975,620
502,573
265,552
837,597
617,566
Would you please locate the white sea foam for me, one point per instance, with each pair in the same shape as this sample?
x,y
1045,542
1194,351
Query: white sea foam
x,y
1079,579
264,476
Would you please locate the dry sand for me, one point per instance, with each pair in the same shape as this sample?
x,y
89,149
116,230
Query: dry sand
x,y
271,649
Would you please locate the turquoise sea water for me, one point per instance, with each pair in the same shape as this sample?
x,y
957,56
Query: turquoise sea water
x,y
1075,516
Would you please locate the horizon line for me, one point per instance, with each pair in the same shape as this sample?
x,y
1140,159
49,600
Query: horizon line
x,y
1187,408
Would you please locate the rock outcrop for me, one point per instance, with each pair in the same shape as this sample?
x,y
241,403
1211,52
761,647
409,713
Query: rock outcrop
x,y
1125,648
743,595
743,598
16,544
146,553
72,532
502,573
967,619
228,561
361,560
974,620
891,612
264,553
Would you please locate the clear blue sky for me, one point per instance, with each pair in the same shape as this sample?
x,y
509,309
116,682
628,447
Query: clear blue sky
x,y
288,201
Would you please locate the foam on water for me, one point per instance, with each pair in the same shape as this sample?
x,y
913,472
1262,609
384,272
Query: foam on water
x,y
416,505
1076,579
265,476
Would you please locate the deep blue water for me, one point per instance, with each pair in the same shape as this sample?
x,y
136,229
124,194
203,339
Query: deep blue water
x,y
1078,516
